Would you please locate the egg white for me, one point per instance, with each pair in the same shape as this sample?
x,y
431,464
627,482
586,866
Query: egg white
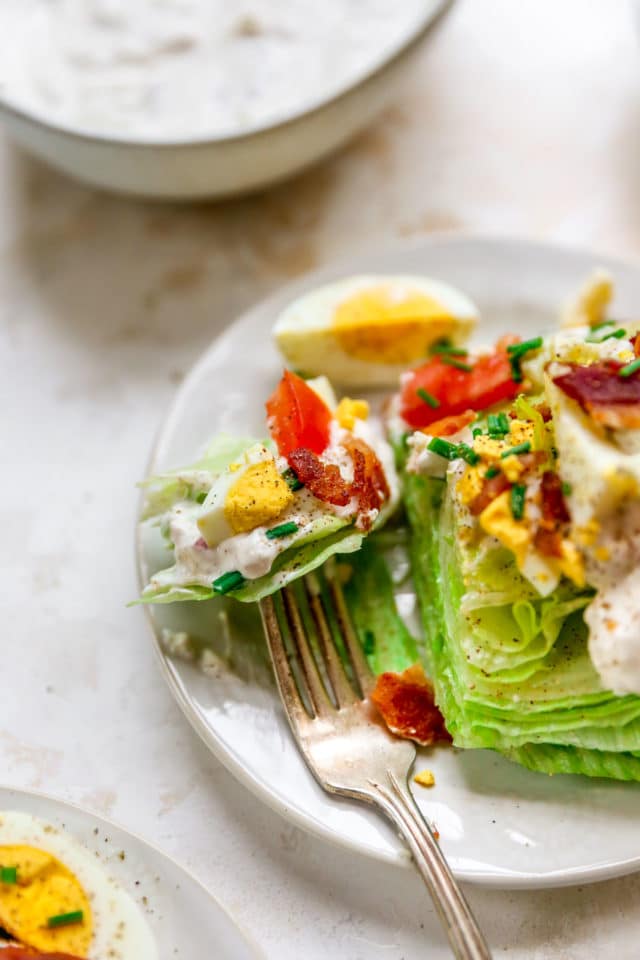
x,y
120,930
305,335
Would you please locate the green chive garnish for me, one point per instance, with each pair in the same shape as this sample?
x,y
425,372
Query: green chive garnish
x,y
498,424
514,451
201,497
65,919
369,642
443,448
228,581
283,530
8,874
477,431
458,364
629,369
291,480
428,398
614,334
518,492
517,351
468,454
566,489
446,347
493,471
603,323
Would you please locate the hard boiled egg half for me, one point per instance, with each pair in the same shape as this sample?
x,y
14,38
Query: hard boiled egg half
x,y
367,330
55,897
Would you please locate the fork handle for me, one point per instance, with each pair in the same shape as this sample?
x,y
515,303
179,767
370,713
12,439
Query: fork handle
x,y
467,942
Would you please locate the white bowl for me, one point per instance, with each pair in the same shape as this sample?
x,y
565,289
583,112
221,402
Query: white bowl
x,y
224,165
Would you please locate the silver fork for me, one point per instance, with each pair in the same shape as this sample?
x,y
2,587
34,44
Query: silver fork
x,y
347,748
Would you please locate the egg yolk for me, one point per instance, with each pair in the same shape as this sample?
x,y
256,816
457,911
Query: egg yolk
x,y
259,496
44,888
376,327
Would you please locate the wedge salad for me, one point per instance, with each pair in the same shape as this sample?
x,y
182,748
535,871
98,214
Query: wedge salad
x,y
508,474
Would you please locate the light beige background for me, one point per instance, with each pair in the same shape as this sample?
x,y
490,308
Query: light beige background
x,y
523,118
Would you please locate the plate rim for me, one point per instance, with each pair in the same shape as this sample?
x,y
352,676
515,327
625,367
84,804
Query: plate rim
x,y
107,822
491,878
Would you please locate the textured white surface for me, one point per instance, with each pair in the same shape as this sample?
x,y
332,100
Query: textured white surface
x,y
520,118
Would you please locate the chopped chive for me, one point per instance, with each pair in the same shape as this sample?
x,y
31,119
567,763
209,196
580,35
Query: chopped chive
x,y
566,489
629,369
498,424
228,581
369,642
446,347
201,497
458,364
282,530
519,349
443,448
468,454
603,323
8,874
518,492
477,431
493,471
514,451
614,334
65,919
428,398
291,480
516,369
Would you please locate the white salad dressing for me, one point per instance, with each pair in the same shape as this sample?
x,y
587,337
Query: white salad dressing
x,y
160,69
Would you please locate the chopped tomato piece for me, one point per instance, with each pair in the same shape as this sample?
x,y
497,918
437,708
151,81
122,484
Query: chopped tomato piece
x,y
324,480
456,390
297,416
447,426
406,702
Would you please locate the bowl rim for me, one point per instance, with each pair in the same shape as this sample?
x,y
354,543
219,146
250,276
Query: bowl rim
x,y
434,10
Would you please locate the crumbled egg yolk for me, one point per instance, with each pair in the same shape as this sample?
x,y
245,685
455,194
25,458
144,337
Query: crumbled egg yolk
x,y
425,778
348,411
571,563
470,484
257,497
498,521
45,888
521,431
512,468
375,327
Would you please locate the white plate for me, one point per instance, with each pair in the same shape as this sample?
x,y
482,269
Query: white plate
x,y
186,921
499,823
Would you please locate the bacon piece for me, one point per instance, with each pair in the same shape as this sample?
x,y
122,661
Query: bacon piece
x,y
491,488
447,426
636,345
610,399
324,480
408,708
554,507
548,542
369,482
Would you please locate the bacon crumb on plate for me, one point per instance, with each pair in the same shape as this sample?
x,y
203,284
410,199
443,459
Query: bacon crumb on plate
x,y
406,702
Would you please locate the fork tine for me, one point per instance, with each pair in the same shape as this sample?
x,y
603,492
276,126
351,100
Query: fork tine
x,y
289,694
359,663
318,695
344,692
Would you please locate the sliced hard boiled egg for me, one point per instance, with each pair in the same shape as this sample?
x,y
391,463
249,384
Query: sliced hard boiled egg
x,y
366,330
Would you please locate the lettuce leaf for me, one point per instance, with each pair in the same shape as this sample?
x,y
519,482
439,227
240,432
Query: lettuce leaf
x,y
511,669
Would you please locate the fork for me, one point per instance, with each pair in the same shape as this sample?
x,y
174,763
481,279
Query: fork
x,y
345,745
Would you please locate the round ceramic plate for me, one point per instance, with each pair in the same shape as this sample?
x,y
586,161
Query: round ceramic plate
x,y
499,823
185,920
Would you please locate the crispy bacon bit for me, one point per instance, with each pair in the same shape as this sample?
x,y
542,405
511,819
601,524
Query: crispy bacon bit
x,y
447,426
369,482
610,399
407,705
545,411
324,480
13,952
548,542
636,345
491,488
554,507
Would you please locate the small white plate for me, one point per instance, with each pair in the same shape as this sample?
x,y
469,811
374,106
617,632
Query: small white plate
x,y
186,921
499,823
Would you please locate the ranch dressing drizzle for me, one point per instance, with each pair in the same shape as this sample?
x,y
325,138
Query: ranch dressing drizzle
x,y
163,69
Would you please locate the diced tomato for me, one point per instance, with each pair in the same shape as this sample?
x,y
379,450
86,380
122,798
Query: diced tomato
x,y
297,416
447,426
490,381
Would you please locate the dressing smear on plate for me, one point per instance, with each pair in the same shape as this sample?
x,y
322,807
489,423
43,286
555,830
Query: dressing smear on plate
x,y
171,69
